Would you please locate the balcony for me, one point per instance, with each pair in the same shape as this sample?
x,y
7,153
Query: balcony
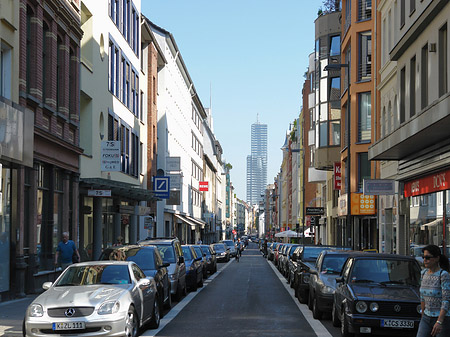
x,y
325,157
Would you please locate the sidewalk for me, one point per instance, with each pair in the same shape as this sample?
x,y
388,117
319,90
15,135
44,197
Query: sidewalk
x,y
12,314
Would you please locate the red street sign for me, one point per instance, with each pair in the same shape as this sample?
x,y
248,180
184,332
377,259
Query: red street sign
x,y
337,175
203,186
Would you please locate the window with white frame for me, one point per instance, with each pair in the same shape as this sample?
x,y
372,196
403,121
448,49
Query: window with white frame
x,y
365,117
365,56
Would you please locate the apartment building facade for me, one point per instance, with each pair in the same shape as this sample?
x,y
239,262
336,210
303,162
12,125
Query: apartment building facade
x,y
414,113
16,144
180,144
357,211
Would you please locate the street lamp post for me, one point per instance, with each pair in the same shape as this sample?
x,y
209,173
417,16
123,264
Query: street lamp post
x,y
336,66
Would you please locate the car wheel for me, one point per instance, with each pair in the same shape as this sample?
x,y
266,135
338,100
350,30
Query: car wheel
x,y
317,314
156,314
200,284
302,297
344,325
131,323
168,304
334,317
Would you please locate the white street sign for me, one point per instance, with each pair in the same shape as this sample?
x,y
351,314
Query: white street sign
x,y
99,193
110,155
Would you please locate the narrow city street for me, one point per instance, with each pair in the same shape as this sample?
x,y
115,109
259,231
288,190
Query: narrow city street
x,y
246,298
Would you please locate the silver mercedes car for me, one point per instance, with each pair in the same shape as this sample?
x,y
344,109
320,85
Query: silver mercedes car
x,y
100,298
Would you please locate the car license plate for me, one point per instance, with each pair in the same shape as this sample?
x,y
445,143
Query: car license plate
x,y
68,326
397,323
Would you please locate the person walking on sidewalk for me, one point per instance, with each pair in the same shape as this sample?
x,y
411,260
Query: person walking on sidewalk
x,y
67,249
434,294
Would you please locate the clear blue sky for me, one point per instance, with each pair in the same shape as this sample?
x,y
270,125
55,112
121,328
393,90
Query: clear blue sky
x,y
253,53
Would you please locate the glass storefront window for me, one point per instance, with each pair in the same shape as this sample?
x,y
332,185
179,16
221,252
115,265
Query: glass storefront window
x,y
5,226
426,220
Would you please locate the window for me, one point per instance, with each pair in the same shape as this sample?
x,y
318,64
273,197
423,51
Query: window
x,y
365,117
30,48
364,10
348,14
412,6
424,77
335,89
60,74
402,13
323,134
364,169
317,49
5,71
402,94
114,69
365,54
46,52
412,87
335,45
443,60
335,133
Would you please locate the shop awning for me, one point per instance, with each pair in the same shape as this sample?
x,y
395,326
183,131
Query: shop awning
x,y
431,224
186,220
118,188
197,221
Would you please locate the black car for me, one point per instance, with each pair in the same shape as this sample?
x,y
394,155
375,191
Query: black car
x,y
287,255
307,256
170,250
222,252
322,279
151,263
378,294
211,261
194,270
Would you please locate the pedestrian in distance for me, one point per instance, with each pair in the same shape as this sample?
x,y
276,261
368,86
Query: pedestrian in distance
x,y
68,251
119,241
265,248
238,249
434,294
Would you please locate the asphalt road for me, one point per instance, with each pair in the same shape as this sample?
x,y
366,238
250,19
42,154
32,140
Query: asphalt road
x,y
246,298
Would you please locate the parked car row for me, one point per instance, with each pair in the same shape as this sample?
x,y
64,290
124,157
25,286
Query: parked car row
x,y
124,291
363,293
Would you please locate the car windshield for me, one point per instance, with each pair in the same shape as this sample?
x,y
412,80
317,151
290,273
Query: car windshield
x,y
311,253
229,243
187,253
292,250
198,251
144,258
219,248
167,253
206,251
333,263
94,274
386,271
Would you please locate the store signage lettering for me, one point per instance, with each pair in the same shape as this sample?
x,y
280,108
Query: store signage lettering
x,y
429,184
337,175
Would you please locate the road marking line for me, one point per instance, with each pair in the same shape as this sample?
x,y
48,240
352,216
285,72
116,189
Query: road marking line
x,y
180,306
315,324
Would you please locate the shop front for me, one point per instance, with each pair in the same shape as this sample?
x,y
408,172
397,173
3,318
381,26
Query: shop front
x,y
428,210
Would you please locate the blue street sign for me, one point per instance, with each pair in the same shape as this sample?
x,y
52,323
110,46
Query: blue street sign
x,y
161,187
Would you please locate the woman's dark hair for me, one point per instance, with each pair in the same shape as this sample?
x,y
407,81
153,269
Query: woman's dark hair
x,y
436,251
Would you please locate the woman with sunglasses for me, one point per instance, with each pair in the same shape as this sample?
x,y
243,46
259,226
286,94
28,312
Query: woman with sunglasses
x,y
435,294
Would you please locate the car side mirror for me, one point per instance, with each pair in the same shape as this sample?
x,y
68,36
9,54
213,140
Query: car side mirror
x,y
165,265
46,285
181,259
339,280
143,282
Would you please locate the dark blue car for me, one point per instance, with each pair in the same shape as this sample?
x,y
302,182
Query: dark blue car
x,y
194,268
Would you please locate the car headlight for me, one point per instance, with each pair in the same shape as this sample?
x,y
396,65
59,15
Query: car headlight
x,y
361,307
305,278
35,310
109,308
374,306
419,308
327,290
173,277
223,254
